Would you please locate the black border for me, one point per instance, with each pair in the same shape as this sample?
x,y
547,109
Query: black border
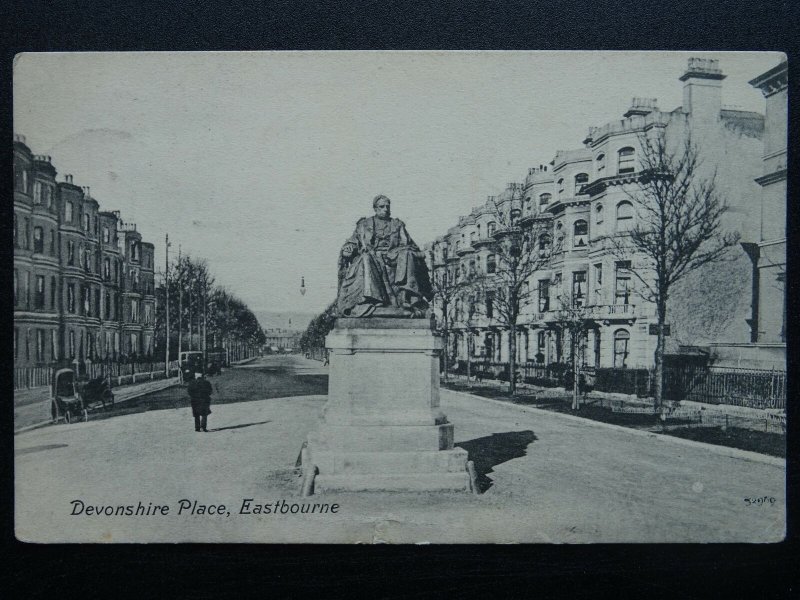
x,y
202,571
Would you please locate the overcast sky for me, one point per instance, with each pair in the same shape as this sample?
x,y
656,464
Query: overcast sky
x,y
262,162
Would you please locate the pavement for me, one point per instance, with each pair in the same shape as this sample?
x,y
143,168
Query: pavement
x,y
32,407
545,477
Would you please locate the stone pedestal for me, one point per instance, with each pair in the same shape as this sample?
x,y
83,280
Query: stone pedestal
x,y
381,428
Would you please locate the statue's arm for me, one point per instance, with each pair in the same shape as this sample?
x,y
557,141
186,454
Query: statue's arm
x,y
350,247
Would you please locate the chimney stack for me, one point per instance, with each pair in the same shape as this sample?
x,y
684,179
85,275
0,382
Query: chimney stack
x,y
702,89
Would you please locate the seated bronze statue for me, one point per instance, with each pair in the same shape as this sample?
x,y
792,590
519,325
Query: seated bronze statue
x,y
382,272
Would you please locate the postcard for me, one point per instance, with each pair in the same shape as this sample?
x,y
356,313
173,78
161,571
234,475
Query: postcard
x,y
422,297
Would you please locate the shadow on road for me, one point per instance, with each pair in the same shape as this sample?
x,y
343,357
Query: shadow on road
x,y
492,450
33,449
239,426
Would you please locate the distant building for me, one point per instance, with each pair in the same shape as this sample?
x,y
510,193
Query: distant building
x,y
83,280
282,339
585,196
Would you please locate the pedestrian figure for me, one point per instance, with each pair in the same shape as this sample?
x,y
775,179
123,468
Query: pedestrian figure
x,y
325,360
200,395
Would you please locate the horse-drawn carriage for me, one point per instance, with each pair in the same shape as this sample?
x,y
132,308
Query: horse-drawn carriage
x,y
71,399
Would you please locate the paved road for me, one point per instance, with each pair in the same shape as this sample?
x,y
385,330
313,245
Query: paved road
x,y
546,478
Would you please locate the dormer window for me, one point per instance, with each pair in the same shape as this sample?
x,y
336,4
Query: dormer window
x,y
626,162
560,188
490,228
544,200
68,212
598,214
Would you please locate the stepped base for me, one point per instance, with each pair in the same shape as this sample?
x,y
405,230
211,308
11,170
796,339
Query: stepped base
x,y
381,429
425,482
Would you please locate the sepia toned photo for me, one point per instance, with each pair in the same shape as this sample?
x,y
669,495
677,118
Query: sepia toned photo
x,y
425,297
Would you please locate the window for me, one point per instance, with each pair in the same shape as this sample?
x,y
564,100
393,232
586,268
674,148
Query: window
x,y
71,298
90,345
70,252
38,240
87,260
72,344
53,344
490,228
544,200
491,263
38,299
134,311
598,214
53,289
622,290
544,242
52,242
490,304
97,302
626,160
27,344
40,349
621,339
86,220
624,216
581,179
27,233
86,299
148,314
560,188
108,306
16,287
37,192
16,232
544,295
27,290
580,233
579,289
16,341
68,212
598,278
107,269
600,165
106,235
47,192
472,237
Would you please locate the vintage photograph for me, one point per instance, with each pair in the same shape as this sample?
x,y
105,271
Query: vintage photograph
x,y
423,297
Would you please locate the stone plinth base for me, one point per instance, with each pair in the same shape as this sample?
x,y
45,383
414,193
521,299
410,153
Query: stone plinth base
x,y
381,428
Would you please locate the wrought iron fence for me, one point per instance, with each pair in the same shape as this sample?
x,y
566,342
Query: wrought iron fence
x,y
738,387
42,376
749,388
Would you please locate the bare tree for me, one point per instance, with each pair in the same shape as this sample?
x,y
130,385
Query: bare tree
x,y
519,253
446,287
470,298
572,321
677,230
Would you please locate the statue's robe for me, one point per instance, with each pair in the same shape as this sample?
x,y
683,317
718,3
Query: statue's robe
x,y
386,270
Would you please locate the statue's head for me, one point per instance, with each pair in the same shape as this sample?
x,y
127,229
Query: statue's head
x,y
382,206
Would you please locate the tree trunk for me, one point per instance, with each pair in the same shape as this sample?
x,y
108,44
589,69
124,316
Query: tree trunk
x,y
446,349
658,387
512,359
576,403
469,356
